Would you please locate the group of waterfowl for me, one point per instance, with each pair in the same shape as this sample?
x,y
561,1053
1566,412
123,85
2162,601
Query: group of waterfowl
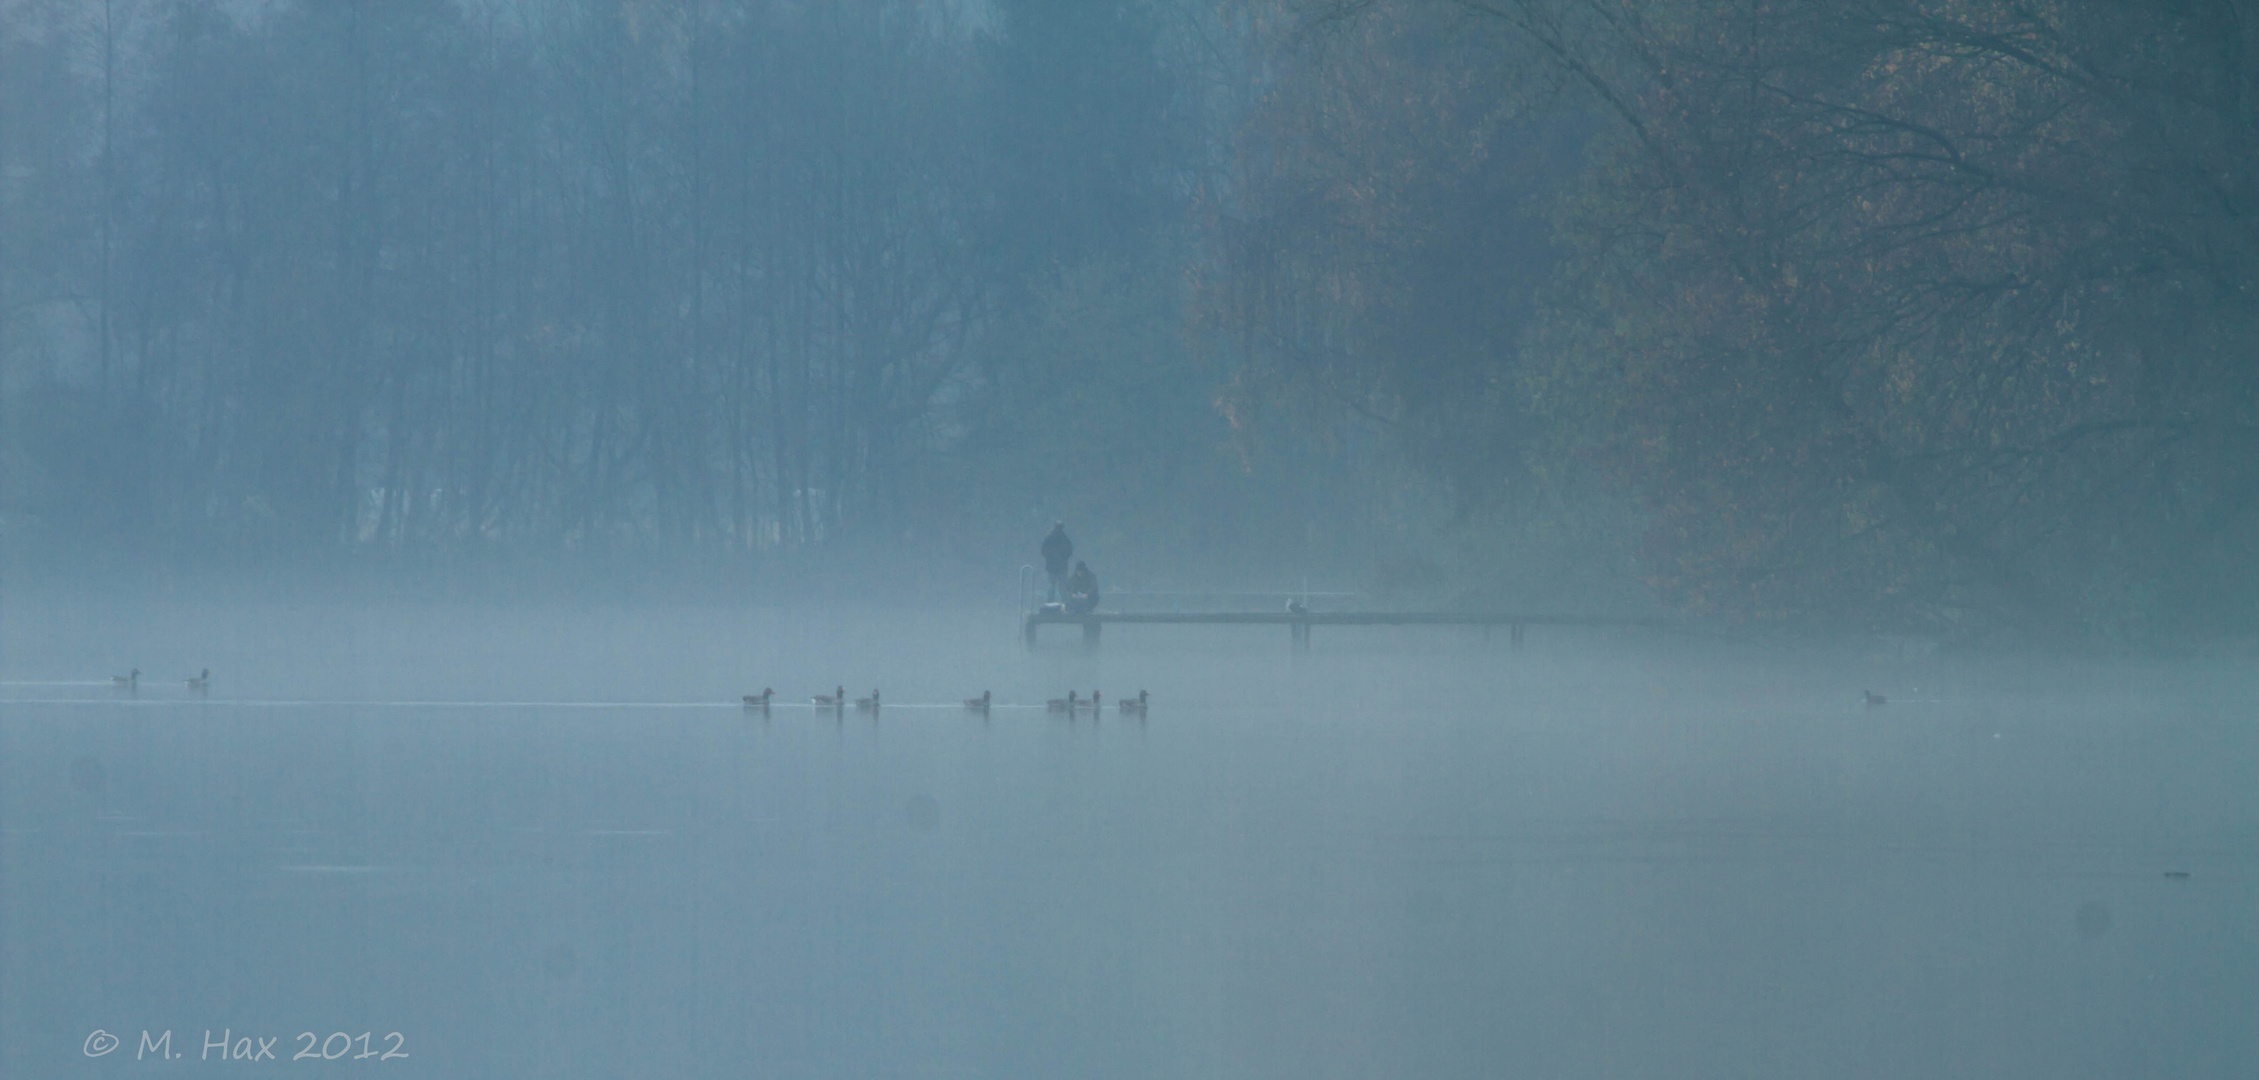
x,y
132,681
1072,704
838,701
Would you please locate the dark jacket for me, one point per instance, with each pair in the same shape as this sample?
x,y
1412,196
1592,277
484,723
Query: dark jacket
x,y
1057,549
1082,591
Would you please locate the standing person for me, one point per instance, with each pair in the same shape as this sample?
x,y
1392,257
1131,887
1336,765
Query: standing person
x,y
1057,549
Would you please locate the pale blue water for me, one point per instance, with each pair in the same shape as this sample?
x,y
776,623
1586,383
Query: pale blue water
x,y
548,843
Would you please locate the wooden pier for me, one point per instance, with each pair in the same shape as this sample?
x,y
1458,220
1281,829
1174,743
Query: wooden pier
x,y
1298,623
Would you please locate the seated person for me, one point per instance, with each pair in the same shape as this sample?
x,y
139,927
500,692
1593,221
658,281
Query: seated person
x,y
1082,590
1057,549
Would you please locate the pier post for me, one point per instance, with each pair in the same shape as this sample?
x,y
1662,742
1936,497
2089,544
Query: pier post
x,y
1027,630
1090,633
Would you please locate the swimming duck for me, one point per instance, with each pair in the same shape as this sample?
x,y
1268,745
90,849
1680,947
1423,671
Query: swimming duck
x,y
867,704
760,700
1133,704
1875,698
127,682
202,682
834,700
1094,706
1065,704
979,704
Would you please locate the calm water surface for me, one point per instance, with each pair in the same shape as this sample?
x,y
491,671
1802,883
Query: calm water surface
x,y
546,843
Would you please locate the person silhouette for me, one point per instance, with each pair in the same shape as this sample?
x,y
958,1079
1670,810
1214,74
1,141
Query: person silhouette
x,y
1082,590
1057,550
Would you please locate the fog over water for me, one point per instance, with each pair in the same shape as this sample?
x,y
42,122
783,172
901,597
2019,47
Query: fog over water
x,y
547,841
1857,405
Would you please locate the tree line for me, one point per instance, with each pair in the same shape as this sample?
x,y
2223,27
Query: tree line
x,y
1923,315
652,276
1929,315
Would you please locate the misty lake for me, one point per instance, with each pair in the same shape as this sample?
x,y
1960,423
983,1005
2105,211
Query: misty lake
x,y
548,842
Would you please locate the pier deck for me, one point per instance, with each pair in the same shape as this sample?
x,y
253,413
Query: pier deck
x,y
1299,623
